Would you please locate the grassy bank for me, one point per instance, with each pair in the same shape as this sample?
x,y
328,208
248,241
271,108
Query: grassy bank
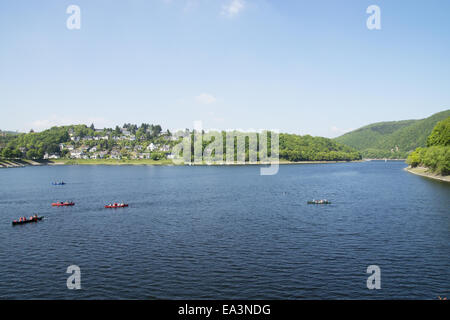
x,y
110,162
164,162
139,162
425,172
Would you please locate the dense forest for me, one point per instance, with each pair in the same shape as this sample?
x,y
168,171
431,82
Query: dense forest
x,y
308,148
436,156
392,140
35,145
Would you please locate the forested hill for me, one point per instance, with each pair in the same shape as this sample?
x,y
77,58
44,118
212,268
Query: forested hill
x,y
149,142
436,156
394,139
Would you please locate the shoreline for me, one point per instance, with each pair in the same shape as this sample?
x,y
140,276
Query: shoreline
x,y
146,162
423,172
20,163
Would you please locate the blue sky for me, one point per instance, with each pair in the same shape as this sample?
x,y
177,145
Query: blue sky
x,y
297,66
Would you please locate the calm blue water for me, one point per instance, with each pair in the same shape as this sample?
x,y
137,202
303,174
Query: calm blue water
x,y
225,232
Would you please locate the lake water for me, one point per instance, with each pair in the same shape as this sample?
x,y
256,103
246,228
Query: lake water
x,y
225,232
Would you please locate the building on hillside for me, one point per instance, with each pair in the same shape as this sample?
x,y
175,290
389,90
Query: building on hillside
x,y
76,154
115,155
164,148
151,147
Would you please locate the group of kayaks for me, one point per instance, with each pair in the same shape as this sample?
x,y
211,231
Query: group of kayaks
x,y
108,206
324,201
36,218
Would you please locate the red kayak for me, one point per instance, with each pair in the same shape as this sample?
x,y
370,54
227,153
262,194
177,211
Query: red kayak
x,y
63,204
30,220
114,206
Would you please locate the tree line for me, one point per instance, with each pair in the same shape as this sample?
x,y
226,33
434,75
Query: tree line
x,y
292,147
436,156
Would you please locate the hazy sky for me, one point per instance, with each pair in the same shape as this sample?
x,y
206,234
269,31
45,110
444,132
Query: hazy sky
x,y
297,66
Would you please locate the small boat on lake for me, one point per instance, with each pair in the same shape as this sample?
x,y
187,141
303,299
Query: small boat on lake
x,y
25,220
319,202
116,205
63,204
58,183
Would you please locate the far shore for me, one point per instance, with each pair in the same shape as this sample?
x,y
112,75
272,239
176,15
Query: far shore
x,y
138,162
16,163
424,172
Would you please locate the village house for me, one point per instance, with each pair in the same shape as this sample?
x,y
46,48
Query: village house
x,y
76,154
151,147
115,155
125,132
51,156
165,148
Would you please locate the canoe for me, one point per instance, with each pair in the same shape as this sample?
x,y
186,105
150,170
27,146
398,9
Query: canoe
x,y
319,202
117,206
65,204
17,222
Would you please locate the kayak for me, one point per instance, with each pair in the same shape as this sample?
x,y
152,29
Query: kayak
x,y
65,204
16,222
319,202
116,206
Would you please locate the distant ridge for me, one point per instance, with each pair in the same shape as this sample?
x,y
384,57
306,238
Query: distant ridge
x,y
393,139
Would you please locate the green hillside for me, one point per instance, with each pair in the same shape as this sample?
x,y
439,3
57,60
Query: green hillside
x,y
436,157
133,142
394,139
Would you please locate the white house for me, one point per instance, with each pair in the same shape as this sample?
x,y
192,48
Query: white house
x,y
165,148
76,154
151,147
115,155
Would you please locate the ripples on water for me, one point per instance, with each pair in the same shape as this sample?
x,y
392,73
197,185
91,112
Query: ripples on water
x,y
225,232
